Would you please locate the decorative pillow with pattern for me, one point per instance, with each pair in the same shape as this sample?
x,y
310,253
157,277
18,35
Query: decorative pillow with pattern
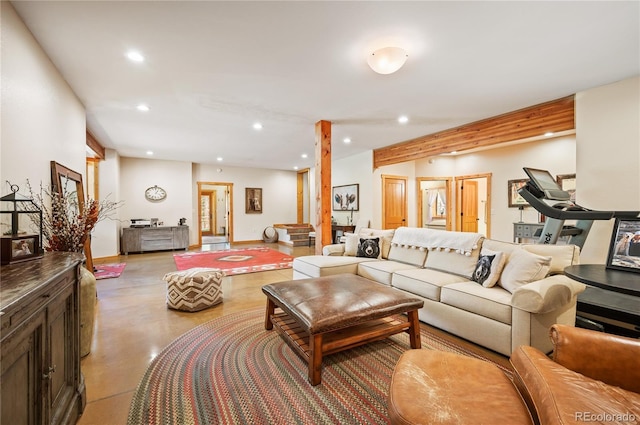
x,y
489,266
369,248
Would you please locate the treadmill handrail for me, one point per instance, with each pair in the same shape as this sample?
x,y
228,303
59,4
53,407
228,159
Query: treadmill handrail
x,y
584,214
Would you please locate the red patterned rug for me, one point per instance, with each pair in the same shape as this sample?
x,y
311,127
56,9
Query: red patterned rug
x,y
235,261
108,271
232,371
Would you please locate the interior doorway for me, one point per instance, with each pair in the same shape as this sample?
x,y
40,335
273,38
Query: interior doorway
x,y
215,217
303,197
473,203
434,202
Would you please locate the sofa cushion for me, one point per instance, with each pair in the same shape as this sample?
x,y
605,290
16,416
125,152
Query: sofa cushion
x,y
523,267
322,265
424,282
561,255
493,303
368,248
352,240
489,266
452,262
382,270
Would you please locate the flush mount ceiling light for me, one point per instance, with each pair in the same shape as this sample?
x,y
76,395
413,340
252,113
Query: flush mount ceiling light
x,y
387,60
135,56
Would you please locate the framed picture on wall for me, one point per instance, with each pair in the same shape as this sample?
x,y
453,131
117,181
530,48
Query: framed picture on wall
x,y
515,200
253,200
624,250
346,198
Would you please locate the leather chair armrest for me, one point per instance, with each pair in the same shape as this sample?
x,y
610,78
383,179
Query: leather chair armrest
x,y
611,359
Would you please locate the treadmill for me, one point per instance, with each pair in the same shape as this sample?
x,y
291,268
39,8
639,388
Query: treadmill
x,y
542,187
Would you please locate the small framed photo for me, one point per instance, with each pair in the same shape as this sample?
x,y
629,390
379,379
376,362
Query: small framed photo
x,y
346,198
624,250
16,249
568,183
515,200
253,200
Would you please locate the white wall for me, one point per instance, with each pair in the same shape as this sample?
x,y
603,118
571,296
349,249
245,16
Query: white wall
x,y
105,239
279,204
356,169
136,175
608,134
42,119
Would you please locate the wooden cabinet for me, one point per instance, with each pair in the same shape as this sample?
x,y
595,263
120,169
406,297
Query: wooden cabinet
x,y
41,382
141,239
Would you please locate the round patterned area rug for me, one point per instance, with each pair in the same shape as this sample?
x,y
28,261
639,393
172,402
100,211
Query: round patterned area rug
x,y
232,371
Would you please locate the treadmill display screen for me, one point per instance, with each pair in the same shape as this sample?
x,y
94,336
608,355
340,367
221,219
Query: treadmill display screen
x,y
542,179
545,183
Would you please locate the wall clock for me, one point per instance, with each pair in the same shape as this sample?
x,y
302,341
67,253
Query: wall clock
x,y
155,193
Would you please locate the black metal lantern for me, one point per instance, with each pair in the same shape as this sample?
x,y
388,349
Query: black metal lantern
x,y
21,223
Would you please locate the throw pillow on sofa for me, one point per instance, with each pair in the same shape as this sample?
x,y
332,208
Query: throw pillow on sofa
x,y
369,248
523,267
352,241
489,267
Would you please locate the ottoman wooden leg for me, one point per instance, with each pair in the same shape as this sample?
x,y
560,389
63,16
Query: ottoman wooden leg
x,y
271,307
414,329
315,358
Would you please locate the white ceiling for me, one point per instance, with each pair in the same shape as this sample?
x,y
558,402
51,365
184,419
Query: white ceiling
x,y
212,69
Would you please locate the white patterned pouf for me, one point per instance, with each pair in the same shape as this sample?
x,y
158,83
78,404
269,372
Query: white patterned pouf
x,y
194,289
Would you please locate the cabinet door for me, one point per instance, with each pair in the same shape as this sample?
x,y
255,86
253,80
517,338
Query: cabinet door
x,y
61,339
21,374
181,237
131,240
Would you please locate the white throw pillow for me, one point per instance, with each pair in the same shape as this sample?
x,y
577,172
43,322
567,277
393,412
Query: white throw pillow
x,y
489,266
351,245
523,267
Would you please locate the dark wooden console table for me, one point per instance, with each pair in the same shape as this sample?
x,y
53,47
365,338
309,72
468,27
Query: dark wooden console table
x,y
338,230
612,297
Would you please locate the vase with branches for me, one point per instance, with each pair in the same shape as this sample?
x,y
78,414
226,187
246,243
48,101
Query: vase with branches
x,y
66,224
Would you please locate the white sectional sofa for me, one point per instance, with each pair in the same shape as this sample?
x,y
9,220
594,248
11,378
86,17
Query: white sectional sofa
x,y
524,294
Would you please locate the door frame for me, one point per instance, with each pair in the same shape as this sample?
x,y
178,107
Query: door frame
x,y
487,206
229,194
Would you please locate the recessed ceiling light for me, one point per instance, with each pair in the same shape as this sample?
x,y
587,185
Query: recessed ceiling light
x,y
403,119
454,152
135,56
142,107
219,159
548,134
304,155
149,153
295,168
257,126
346,140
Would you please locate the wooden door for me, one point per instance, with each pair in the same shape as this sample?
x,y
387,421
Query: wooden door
x,y
468,207
394,202
207,209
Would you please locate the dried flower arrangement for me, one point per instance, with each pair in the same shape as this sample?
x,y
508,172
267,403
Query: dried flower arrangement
x,y
66,226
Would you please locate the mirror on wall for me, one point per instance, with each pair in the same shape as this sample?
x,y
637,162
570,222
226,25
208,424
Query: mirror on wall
x,y
434,202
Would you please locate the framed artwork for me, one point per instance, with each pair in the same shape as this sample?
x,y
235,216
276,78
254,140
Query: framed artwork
x,y
253,200
20,248
346,198
568,183
624,250
515,200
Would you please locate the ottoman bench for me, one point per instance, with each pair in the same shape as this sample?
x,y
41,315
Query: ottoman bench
x,y
436,387
194,289
329,314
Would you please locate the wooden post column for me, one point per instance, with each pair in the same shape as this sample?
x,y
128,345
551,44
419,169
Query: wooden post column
x,y
323,185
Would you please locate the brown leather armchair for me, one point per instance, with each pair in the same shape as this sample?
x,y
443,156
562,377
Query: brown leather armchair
x,y
590,377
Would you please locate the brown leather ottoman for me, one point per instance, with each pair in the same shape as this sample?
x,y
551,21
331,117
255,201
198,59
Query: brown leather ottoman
x,y
329,314
436,387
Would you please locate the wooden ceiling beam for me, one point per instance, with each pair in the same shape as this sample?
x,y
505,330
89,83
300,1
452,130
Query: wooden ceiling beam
x,y
555,116
95,146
